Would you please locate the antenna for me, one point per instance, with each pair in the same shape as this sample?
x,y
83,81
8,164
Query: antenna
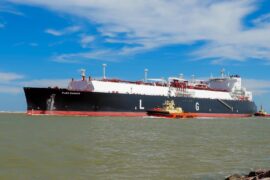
x,y
83,74
104,70
181,76
145,75
193,78
222,72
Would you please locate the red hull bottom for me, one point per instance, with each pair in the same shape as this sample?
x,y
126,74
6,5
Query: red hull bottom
x,y
124,114
85,113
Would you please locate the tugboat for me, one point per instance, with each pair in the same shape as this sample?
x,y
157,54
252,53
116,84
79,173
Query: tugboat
x,y
262,113
169,110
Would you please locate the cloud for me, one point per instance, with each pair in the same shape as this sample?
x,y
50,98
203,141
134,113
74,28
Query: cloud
x,y
262,20
10,89
65,31
86,40
8,77
239,46
258,87
107,55
16,87
2,25
61,83
32,44
145,25
53,32
8,82
13,83
7,8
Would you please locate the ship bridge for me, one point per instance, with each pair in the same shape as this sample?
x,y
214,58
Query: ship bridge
x,y
232,84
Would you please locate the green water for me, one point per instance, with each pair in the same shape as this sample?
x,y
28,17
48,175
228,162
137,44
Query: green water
x,y
47,147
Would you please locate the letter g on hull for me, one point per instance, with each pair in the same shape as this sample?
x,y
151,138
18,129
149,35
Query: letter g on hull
x,y
197,106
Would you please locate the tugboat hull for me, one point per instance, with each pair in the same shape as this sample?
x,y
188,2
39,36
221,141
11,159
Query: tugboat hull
x,y
167,114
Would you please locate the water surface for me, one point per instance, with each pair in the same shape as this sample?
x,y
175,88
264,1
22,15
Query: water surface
x,y
50,147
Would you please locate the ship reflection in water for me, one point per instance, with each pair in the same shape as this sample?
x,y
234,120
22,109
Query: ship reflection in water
x,y
51,147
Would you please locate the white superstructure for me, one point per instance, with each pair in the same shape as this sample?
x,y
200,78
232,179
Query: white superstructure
x,y
225,87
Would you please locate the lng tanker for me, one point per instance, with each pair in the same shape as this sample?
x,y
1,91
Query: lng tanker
x,y
221,96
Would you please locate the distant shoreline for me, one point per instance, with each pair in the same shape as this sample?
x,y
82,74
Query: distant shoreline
x,y
12,112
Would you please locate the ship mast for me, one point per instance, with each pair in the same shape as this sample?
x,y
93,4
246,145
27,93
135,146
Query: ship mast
x,y
145,75
104,70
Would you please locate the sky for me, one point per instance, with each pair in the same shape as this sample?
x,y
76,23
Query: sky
x,y
46,43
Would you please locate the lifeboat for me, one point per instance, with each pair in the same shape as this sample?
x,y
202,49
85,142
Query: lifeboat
x,y
169,110
262,113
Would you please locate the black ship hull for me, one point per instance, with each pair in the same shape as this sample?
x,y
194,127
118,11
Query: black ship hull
x,y
56,101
